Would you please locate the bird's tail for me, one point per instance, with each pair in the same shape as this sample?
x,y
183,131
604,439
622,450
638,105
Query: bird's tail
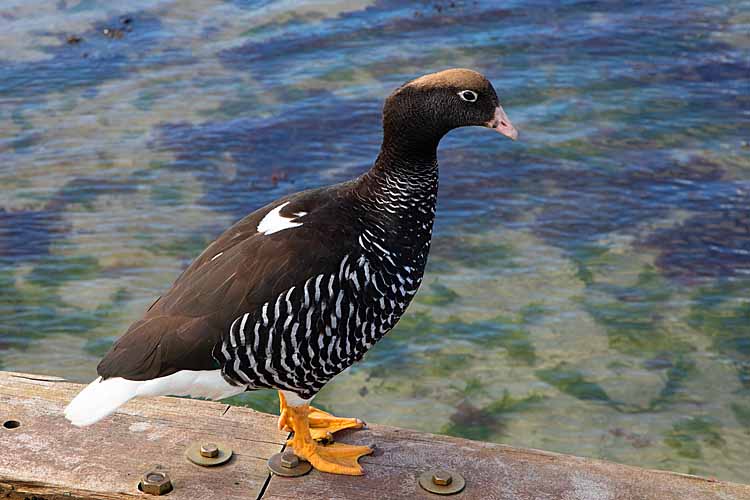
x,y
100,399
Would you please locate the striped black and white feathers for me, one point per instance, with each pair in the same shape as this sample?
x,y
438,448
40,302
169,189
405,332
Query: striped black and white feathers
x,y
297,291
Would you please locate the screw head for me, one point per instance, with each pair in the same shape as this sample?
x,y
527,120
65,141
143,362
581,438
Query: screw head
x,y
209,450
442,478
155,482
289,460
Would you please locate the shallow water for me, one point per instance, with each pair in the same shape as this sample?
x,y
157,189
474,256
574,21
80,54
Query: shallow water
x,y
589,286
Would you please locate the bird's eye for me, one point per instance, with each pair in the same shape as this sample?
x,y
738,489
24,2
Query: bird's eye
x,y
468,95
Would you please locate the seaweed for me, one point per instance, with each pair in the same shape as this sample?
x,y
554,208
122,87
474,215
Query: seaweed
x,y
726,321
418,333
472,253
92,61
437,295
676,375
712,243
296,141
360,28
186,247
511,335
572,382
85,190
688,435
26,235
592,202
55,270
484,423
632,315
35,309
742,414
532,312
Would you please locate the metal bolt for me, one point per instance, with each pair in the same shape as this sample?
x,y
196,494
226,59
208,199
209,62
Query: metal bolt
x,y
287,464
208,454
156,482
289,460
442,481
442,478
209,450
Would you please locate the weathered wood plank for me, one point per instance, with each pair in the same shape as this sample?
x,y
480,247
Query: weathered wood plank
x,y
47,458
493,472
46,454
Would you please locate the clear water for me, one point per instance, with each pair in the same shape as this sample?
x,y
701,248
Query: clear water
x,y
589,286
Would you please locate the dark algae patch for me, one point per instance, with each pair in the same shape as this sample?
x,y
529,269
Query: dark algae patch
x,y
37,310
209,148
688,436
473,254
26,234
717,313
418,331
712,243
489,421
438,294
55,270
573,383
742,414
188,247
86,60
677,375
633,315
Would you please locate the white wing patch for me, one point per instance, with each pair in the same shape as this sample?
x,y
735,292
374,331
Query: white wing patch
x,y
274,222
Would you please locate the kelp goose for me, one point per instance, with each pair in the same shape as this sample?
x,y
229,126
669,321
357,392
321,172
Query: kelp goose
x,y
300,289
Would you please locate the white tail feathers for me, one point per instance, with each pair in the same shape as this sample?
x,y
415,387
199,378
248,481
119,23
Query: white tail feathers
x,y
102,397
99,399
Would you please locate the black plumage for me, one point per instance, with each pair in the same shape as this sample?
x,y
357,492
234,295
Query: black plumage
x,y
300,289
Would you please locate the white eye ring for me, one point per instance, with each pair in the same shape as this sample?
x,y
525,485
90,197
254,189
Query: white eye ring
x,y
468,95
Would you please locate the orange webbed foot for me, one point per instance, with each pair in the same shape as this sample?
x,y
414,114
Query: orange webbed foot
x,y
336,458
322,424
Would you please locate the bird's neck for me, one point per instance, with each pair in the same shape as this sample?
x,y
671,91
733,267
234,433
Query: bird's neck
x,y
405,174
400,192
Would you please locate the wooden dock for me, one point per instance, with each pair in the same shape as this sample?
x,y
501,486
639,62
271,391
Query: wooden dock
x,y
43,457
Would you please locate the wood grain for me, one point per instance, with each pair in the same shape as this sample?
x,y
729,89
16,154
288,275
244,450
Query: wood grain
x,y
46,458
46,454
493,472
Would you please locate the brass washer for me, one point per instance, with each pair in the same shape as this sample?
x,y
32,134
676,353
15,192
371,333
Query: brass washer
x,y
193,453
456,485
274,465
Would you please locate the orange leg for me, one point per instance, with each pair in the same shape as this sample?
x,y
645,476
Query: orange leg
x,y
322,425
336,458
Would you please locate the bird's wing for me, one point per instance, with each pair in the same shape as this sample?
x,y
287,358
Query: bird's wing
x,y
237,273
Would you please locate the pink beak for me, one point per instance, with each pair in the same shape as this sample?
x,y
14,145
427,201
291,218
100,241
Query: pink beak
x,y
502,124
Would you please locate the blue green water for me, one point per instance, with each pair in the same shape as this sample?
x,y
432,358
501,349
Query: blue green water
x,y
589,285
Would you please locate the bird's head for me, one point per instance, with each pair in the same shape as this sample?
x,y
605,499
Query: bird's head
x,y
425,109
